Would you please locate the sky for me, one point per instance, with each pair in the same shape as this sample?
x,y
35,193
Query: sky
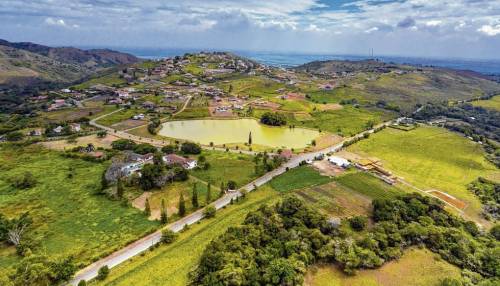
x,y
420,28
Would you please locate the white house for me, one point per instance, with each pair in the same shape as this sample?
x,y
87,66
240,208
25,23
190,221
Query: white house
x,y
341,162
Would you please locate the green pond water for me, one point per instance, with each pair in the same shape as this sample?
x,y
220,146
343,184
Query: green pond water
x,y
237,131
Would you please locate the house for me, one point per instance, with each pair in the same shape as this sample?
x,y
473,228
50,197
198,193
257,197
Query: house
x,y
286,154
58,129
148,105
35,132
75,127
186,163
341,162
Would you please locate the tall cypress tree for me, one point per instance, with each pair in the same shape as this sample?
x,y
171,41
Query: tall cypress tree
x,y
182,206
147,208
209,193
222,189
119,188
194,198
250,138
163,213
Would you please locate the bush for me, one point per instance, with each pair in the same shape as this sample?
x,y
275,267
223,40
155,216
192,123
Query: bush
x,y
103,273
82,283
123,144
168,236
273,119
190,148
231,185
495,231
25,181
14,136
209,212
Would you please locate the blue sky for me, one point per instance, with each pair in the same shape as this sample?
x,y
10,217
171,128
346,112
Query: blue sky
x,y
438,28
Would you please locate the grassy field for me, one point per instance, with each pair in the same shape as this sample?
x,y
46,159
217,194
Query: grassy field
x,y
298,178
348,195
431,158
417,267
120,116
493,103
225,166
170,264
109,80
193,112
72,114
346,121
69,219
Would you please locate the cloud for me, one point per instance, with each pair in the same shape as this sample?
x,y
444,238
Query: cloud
x,y
371,30
433,23
490,30
407,22
55,22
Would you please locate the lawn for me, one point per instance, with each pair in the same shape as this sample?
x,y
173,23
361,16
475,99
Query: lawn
x,y
225,166
346,121
170,264
69,218
368,185
193,112
298,178
119,116
492,103
417,267
431,158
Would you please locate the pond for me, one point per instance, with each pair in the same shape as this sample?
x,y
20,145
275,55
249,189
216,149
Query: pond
x,y
237,131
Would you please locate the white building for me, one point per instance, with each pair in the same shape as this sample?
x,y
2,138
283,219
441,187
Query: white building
x,y
341,162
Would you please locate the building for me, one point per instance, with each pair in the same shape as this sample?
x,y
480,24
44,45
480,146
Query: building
x,y
341,162
286,154
138,117
186,163
75,127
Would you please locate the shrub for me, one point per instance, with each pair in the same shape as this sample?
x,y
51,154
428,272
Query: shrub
x,y
14,136
102,273
358,223
495,231
82,283
168,149
209,212
26,181
190,148
231,185
168,236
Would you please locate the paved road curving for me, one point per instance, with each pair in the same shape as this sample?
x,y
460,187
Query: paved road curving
x,y
144,243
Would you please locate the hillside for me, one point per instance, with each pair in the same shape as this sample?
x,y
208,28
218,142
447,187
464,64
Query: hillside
x,y
29,64
401,86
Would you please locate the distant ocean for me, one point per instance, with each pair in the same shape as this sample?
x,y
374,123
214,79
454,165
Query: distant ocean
x,y
284,59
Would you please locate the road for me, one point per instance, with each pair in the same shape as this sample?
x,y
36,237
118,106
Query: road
x,y
144,243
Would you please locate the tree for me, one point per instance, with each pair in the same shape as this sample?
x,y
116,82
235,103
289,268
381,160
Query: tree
x,y
168,149
102,273
104,181
231,185
144,148
358,223
119,188
194,197
17,228
222,190
209,193
182,206
102,133
495,232
250,138
147,208
123,144
209,212
82,283
190,148
163,213
273,119
33,271
158,159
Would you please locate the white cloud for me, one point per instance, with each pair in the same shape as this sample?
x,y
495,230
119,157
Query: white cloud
x,y
371,30
433,23
55,22
490,30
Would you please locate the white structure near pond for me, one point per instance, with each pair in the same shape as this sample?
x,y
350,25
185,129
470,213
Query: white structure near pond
x,y
341,162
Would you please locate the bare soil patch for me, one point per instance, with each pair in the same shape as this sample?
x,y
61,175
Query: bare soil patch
x,y
449,199
325,168
330,106
61,145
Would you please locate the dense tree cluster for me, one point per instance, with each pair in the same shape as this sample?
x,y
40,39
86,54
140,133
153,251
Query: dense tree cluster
x,y
123,144
273,119
265,163
489,194
40,271
190,148
275,245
